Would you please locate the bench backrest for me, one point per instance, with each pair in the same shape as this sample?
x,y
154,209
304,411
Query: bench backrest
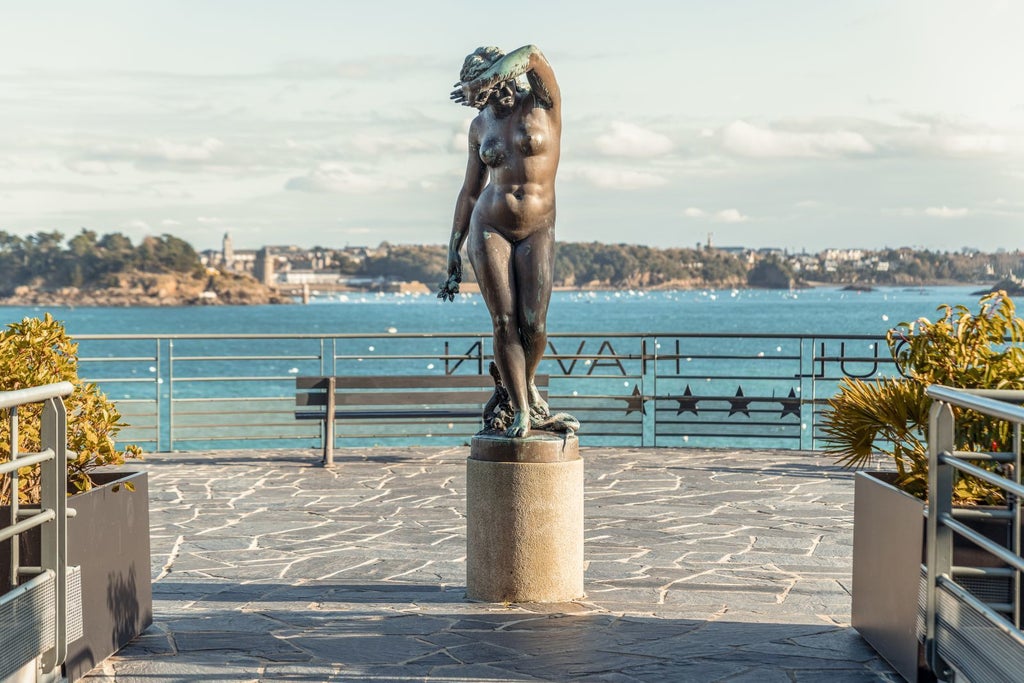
x,y
399,390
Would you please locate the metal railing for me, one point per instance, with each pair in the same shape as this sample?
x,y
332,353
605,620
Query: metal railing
x,y
979,638
34,607
635,390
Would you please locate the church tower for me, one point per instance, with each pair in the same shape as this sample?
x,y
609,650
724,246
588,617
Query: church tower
x,y
227,251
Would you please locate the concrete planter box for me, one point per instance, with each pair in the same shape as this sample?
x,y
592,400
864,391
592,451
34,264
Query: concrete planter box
x,y
109,539
888,545
888,584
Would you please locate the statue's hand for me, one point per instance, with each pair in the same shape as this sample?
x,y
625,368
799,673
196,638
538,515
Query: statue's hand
x,y
455,266
450,287
468,96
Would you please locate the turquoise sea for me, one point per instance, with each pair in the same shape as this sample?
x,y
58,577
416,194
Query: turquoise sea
x,y
811,311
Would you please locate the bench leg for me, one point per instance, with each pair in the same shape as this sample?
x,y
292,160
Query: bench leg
x,y
328,443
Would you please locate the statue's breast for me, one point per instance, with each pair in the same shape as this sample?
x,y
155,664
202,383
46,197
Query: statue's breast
x,y
529,140
492,151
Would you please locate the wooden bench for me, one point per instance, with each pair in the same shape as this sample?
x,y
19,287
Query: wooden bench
x,y
391,397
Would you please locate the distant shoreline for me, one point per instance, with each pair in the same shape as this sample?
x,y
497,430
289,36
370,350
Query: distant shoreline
x,y
114,299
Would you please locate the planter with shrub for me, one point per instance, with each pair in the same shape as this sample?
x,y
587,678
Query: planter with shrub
x,y
888,418
109,535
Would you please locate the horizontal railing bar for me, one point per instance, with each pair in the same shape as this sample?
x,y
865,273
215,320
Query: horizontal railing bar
x,y
20,397
480,335
995,619
269,437
180,359
26,460
30,585
982,403
26,524
225,425
266,378
115,359
702,377
731,435
982,542
974,513
985,456
289,399
992,572
983,474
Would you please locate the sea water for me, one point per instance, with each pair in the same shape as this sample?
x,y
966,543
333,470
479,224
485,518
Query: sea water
x,y
808,311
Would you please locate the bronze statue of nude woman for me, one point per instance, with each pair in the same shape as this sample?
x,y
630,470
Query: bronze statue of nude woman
x,y
505,213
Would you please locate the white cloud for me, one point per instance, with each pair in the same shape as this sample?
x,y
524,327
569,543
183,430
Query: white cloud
x,y
972,144
630,140
382,144
722,216
340,178
945,212
620,179
745,139
88,167
169,223
167,150
731,216
209,220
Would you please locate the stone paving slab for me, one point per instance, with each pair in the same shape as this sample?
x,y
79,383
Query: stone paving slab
x,y
702,565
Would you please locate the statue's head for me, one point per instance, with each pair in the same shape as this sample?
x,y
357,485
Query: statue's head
x,y
502,93
478,62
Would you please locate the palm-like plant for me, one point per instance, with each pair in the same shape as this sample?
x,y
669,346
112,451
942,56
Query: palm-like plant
x,y
890,416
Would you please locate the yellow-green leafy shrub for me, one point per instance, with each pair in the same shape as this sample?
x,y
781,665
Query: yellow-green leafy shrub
x,y
34,352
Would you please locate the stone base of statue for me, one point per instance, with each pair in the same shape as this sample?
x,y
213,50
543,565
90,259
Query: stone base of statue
x,y
524,518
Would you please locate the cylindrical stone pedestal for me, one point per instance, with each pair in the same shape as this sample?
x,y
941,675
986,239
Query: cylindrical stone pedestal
x,y
524,519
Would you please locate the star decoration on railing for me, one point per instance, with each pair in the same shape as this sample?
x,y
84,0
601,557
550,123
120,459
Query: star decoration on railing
x,y
740,404
635,402
687,402
790,405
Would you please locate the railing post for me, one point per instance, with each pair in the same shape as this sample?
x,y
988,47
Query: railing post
x,y
15,485
53,496
1017,502
649,387
939,542
170,394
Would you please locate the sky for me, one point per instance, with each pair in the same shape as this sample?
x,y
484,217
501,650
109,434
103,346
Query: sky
x,y
796,124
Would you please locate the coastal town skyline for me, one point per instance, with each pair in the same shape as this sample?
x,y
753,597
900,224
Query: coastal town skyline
x,y
793,125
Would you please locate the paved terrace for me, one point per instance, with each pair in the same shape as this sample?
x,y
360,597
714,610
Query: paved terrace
x,y
701,566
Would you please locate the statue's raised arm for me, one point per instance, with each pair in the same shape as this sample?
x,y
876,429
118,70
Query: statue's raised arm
x,y
528,60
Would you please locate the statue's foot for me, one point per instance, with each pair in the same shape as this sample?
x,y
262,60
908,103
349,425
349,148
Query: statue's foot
x,y
538,406
520,426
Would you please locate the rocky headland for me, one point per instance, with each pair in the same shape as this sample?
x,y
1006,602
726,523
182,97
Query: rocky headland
x,y
153,289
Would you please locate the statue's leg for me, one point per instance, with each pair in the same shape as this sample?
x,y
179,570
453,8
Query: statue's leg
x,y
491,256
534,266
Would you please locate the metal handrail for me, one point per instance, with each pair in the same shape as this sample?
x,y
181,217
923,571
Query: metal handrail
x,y
1002,618
20,397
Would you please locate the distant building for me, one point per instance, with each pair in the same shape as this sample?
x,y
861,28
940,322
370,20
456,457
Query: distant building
x,y
227,250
